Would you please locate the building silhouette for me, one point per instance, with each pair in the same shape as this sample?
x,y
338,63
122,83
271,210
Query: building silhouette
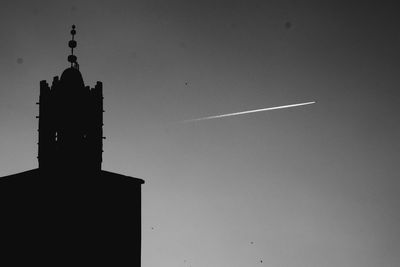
x,y
69,210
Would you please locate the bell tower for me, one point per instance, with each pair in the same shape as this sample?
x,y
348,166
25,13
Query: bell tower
x,y
79,212
70,120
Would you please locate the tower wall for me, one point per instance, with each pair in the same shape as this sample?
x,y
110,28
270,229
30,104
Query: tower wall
x,y
70,123
46,144
96,125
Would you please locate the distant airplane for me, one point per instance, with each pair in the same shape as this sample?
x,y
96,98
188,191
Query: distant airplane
x,y
249,111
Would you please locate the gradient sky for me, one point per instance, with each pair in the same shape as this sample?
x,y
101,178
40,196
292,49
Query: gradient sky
x,y
309,186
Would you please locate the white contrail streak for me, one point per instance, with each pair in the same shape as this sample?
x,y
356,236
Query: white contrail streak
x,y
249,111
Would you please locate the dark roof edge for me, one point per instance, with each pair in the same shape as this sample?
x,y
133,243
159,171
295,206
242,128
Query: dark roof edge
x,y
28,172
125,176
36,172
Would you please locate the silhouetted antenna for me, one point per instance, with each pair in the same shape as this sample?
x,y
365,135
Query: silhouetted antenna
x,y
72,44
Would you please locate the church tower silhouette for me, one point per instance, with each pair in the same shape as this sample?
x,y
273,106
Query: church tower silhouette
x,y
70,120
69,210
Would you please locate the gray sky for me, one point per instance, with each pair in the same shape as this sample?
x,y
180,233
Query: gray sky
x,y
309,186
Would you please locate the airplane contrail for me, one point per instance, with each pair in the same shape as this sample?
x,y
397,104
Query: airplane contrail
x,y
249,111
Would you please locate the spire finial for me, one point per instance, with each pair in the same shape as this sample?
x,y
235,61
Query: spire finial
x,y
72,44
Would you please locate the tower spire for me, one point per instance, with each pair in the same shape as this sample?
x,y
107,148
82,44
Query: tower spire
x,y
72,44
